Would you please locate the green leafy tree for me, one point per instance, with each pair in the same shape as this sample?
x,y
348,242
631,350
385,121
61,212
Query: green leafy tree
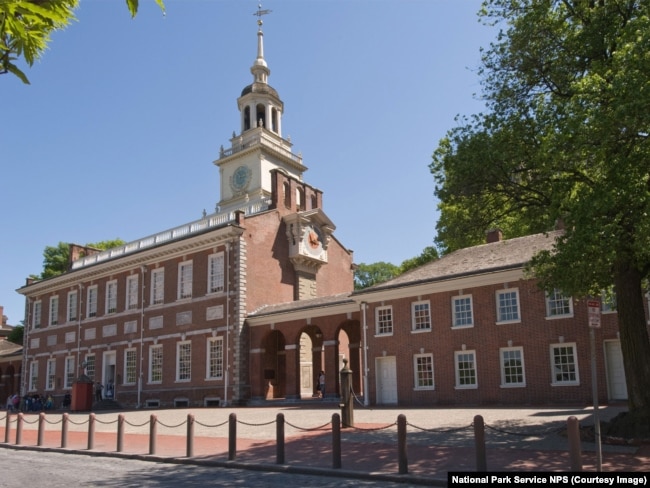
x,y
565,138
26,27
57,258
429,254
372,274
16,335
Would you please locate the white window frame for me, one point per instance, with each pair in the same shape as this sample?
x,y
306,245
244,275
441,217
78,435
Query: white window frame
x,y
185,277
157,286
130,366
384,320
37,315
91,301
504,310
90,366
50,378
558,369
456,322
555,297
111,297
132,292
54,310
505,375
184,361
73,306
420,377
216,272
214,364
33,376
69,372
465,357
156,364
421,316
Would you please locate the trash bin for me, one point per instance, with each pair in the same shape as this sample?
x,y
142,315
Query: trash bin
x,y
82,394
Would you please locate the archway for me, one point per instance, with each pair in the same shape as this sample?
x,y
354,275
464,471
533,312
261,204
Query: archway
x,y
349,347
274,365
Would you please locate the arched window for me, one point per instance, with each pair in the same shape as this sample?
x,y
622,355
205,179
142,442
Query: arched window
x,y
274,120
287,194
260,117
300,198
247,118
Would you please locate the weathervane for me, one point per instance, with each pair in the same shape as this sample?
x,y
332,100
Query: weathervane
x,y
259,14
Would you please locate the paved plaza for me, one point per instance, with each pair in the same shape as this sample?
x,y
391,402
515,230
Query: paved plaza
x,y
438,439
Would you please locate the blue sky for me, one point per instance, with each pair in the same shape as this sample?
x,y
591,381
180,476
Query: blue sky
x,y
116,135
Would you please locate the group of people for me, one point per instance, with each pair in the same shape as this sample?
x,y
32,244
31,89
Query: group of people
x,y
29,403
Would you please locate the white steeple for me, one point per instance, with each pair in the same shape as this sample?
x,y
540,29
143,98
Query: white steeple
x,y
259,148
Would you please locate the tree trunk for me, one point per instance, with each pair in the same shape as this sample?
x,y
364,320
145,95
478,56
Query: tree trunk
x,y
635,343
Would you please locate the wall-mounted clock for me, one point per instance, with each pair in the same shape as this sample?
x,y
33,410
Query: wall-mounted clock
x,y
241,178
312,240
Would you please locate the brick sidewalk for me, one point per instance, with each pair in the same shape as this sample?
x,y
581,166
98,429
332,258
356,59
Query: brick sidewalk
x,y
368,448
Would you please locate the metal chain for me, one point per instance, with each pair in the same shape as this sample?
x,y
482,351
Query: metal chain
x,y
255,425
172,426
371,429
526,434
136,425
307,429
211,426
55,422
78,423
106,423
442,431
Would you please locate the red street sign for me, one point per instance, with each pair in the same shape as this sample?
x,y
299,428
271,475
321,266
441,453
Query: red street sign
x,y
593,308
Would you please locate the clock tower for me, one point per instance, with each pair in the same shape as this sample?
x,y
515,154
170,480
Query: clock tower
x,y
245,167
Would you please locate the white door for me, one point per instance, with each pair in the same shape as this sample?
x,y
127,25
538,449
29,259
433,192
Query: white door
x,y
616,386
386,380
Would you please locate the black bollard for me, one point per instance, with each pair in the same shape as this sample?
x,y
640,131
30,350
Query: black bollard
x,y
479,442
279,436
232,437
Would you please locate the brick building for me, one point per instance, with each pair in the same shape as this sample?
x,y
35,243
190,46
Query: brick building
x,y
251,302
162,320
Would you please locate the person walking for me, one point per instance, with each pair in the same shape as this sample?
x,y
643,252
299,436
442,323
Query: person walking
x,y
321,384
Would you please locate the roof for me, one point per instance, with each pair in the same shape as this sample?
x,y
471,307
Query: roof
x,y
311,303
485,258
495,256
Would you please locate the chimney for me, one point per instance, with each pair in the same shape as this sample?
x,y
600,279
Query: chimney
x,y
494,235
77,252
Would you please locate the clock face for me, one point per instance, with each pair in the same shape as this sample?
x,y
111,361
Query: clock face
x,y
240,178
313,240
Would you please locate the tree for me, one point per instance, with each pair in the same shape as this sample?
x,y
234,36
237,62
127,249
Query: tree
x,y
565,138
57,258
16,334
26,27
372,274
428,254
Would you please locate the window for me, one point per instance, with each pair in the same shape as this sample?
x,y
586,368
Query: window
x,y
73,304
69,372
421,316
508,306
185,280
184,361
608,301
90,366
384,320
465,369
132,292
50,382
36,319
130,374
215,273
158,286
91,303
423,368
558,305
512,367
462,311
215,359
33,376
111,297
155,363
564,364
54,310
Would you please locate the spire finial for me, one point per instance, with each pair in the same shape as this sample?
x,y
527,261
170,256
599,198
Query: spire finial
x,y
259,14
